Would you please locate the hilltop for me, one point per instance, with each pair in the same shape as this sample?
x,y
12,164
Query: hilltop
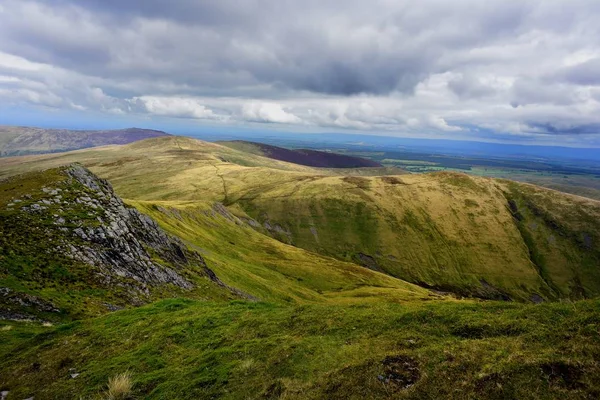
x,y
18,140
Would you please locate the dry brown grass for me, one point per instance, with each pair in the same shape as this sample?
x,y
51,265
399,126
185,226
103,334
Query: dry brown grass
x,y
119,386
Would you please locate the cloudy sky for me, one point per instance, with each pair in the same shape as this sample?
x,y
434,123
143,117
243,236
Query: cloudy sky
x,y
496,70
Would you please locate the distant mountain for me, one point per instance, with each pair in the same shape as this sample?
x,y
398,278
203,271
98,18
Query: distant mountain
x,y
311,158
18,140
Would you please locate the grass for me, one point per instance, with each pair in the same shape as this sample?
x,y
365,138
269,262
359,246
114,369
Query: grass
x,y
120,386
267,268
187,349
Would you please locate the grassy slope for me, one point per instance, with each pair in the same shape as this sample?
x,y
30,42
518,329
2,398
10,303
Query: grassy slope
x,y
442,229
269,269
446,230
188,350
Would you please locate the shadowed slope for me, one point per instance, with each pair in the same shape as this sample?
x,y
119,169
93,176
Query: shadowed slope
x,y
312,158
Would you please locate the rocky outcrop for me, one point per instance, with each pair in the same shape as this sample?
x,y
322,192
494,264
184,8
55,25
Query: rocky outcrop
x,y
66,230
15,306
125,242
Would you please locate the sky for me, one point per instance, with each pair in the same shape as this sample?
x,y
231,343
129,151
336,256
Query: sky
x,y
496,70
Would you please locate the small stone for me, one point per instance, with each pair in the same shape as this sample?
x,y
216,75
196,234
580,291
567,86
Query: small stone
x,y
4,394
73,376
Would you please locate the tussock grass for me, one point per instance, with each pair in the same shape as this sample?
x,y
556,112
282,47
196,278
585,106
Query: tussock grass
x,y
120,386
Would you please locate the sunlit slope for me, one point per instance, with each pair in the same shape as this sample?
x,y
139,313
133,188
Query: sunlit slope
x,y
269,269
562,233
445,230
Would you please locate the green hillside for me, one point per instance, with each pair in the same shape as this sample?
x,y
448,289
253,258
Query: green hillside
x,y
448,231
248,277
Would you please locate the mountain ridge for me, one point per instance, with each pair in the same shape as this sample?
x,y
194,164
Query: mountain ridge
x,y
19,140
456,232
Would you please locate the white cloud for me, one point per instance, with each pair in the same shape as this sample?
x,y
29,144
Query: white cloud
x,y
441,124
175,107
258,111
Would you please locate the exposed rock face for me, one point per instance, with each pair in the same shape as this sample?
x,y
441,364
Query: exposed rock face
x,y
124,238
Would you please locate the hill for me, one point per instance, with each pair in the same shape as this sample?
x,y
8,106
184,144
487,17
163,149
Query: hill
x,y
311,158
16,140
248,277
467,235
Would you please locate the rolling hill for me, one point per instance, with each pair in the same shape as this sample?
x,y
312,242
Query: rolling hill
x,y
290,281
311,158
451,232
17,140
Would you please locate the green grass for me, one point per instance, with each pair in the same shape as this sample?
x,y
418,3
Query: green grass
x,y
188,350
268,269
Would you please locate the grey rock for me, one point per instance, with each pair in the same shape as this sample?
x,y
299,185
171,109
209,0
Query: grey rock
x,y
120,247
26,300
112,307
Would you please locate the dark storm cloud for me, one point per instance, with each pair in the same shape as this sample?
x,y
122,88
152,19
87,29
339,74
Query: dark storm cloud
x,y
365,48
562,129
